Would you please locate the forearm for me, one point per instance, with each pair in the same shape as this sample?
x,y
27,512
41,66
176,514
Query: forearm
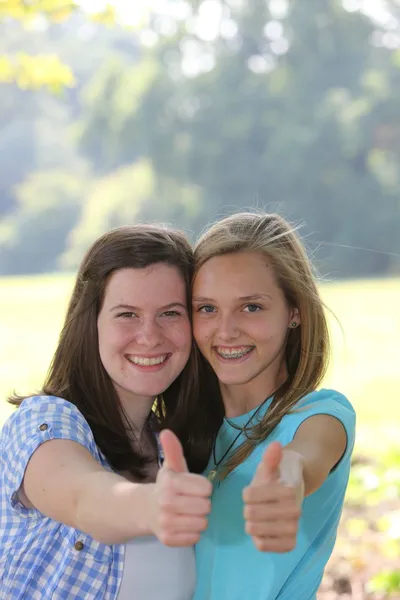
x,y
320,443
315,465
112,509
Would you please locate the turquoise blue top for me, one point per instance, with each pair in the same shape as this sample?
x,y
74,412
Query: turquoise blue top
x,y
229,567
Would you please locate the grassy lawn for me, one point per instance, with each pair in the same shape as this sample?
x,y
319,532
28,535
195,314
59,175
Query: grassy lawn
x,y
365,362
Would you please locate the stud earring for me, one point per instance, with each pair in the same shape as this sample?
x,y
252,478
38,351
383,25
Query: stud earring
x,y
294,325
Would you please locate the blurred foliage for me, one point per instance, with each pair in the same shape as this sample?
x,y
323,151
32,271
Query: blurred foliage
x,y
381,481
113,200
42,71
48,205
272,104
30,72
57,10
369,538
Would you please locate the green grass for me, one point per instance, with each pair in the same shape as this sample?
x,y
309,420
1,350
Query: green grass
x,y
365,364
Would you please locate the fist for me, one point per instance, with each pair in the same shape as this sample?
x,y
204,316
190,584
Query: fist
x,y
181,501
271,507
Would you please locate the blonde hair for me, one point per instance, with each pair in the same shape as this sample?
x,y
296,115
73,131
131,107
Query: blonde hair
x,y
307,347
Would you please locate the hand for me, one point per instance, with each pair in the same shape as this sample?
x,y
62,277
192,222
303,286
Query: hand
x,y
181,501
272,509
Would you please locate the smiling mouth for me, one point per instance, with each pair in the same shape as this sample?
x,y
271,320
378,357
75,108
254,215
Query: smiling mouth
x,y
233,353
144,361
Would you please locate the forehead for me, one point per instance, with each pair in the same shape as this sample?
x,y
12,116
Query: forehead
x,y
156,284
245,272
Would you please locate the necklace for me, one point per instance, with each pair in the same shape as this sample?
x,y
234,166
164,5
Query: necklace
x,y
214,471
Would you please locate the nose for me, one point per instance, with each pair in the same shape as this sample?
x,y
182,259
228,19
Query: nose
x,y
227,328
149,334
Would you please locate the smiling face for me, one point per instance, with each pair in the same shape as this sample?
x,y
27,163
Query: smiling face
x,y
144,331
241,321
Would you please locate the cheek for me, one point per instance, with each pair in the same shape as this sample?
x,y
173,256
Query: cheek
x,y
112,337
201,330
270,329
181,336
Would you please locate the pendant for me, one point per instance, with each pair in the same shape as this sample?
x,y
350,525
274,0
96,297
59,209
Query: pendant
x,y
212,474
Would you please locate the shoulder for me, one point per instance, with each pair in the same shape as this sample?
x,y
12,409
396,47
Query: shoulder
x,y
319,402
35,407
46,417
37,420
324,401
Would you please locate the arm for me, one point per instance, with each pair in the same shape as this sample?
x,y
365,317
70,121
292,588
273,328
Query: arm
x,y
320,443
285,475
64,482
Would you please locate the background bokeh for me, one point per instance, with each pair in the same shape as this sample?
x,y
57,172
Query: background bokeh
x,y
183,111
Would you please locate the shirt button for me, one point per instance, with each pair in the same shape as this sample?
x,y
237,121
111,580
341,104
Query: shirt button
x,y
79,545
43,427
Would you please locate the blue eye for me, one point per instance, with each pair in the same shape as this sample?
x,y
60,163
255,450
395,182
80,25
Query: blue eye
x,y
207,308
252,308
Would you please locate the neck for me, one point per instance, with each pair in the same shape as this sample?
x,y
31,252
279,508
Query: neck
x,y
240,399
136,410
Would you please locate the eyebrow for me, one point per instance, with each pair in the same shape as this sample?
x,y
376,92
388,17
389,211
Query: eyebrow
x,y
250,298
133,308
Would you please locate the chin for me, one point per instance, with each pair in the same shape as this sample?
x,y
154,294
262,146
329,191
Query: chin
x,y
231,379
150,392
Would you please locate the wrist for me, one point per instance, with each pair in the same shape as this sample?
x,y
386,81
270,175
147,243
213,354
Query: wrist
x,y
146,494
291,473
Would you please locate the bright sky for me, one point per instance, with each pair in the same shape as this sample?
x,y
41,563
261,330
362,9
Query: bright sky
x,y
129,12
133,12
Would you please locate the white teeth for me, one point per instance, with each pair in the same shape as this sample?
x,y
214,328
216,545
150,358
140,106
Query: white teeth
x,y
147,362
236,353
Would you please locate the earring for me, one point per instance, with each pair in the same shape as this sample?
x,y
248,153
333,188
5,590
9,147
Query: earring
x,y
294,325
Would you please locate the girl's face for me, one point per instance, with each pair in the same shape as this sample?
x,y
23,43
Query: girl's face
x,y
144,330
241,319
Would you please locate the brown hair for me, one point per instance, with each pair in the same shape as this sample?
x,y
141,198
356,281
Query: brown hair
x,y
307,347
77,373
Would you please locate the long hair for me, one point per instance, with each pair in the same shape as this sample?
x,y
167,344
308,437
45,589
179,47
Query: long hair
x,y
76,372
307,346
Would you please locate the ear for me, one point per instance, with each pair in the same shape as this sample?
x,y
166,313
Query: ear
x,y
294,320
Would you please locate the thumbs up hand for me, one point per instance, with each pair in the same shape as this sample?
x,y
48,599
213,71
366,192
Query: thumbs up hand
x,y
181,501
273,500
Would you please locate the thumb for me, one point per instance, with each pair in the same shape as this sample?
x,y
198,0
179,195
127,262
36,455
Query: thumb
x,y
174,459
268,469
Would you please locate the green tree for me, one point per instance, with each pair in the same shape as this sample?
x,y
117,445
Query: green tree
x,y
33,237
284,108
41,70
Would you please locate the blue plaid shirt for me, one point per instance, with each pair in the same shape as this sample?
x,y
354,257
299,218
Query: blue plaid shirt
x,y
41,558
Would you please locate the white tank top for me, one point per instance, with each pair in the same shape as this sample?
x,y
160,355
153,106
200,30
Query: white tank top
x,y
153,571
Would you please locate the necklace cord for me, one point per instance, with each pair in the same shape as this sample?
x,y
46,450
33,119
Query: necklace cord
x,y
241,430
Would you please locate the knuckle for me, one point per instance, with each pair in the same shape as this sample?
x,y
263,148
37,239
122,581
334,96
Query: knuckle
x,y
207,487
248,494
289,545
249,527
203,524
250,512
192,537
165,538
247,512
261,544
